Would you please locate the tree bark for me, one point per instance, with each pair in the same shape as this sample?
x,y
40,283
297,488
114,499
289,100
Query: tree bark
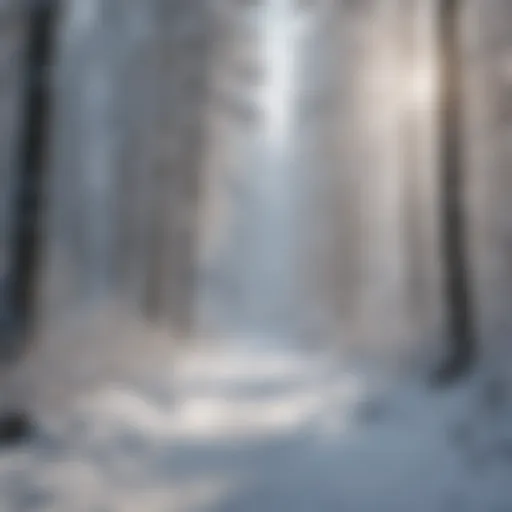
x,y
456,269
26,243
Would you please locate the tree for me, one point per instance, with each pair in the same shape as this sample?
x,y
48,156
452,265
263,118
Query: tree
x,y
461,332
40,17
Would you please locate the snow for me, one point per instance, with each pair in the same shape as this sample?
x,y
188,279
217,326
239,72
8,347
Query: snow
x,y
266,428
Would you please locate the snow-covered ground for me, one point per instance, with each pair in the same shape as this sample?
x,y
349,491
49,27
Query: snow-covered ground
x,y
266,429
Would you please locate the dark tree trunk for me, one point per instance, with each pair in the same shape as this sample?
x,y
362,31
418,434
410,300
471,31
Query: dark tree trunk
x,y
461,331
40,20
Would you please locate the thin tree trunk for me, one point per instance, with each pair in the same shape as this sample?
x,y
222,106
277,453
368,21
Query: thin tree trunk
x,y
457,280
41,17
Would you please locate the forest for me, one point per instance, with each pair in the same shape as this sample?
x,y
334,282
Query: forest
x,y
255,255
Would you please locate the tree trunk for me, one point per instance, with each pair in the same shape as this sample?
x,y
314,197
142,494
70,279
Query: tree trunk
x,y
456,272
26,242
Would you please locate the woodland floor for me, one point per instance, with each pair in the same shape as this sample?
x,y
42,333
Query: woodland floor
x,y
265,429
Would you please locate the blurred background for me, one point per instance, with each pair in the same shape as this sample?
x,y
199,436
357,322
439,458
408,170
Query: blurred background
x,y
255,255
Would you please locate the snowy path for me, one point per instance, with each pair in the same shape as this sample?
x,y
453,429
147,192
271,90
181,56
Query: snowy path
x,y
261,431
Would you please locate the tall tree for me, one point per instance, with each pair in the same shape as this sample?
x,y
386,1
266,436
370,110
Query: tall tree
x,y
461,330
40,18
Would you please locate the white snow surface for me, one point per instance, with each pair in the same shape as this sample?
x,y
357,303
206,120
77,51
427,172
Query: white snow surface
x,y
265,428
